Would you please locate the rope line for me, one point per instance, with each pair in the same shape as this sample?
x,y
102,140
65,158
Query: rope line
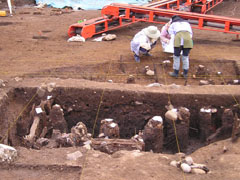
x,y
20,114
95,122
174,126
224,82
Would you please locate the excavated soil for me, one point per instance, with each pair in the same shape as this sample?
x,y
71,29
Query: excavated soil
x,y
34,49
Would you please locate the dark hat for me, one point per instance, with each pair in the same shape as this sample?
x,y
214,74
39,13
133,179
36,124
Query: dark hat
x,y
176,18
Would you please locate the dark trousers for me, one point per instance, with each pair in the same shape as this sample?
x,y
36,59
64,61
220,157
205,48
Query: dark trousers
x,y
177,51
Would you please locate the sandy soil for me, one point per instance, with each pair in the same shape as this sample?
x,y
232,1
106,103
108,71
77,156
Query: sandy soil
x,y
34,44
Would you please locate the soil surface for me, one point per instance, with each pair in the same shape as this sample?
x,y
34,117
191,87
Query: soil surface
x,y
34,45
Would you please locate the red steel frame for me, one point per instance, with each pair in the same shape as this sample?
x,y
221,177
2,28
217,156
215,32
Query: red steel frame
x,y
165,4
118,15
205,5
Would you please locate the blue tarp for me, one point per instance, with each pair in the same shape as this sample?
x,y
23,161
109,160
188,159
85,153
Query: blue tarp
x,y
88,4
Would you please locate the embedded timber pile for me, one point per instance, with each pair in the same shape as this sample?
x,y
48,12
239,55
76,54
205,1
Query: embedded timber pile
x,y
177,128
153,134
109,141
236,123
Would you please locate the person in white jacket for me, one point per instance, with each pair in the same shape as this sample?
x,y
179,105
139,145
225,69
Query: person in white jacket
x,y
144,41
182,32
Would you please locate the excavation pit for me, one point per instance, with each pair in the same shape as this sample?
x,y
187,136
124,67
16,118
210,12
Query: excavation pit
x,y
216,72
131,107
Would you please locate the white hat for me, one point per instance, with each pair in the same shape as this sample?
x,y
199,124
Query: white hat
x,y
152,32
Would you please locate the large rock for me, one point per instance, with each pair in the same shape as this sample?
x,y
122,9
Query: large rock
x,y
7,153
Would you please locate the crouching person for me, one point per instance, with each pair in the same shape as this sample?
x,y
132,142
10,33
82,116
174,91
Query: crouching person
x,y
182,32
144,41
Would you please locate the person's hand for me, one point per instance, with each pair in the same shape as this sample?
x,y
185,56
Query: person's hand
x,y
153,44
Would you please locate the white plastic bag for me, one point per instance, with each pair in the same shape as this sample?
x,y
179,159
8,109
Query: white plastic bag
x,y
76,38
169,47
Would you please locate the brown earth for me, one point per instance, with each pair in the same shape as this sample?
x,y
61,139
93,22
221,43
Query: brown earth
x,y
34,45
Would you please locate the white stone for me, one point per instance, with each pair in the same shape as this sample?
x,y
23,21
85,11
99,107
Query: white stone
x,y
213,110
186,109
147,68
186,168
87,146
109,37
171,115
76,38
56,105
101,135
189,160
205,110
173,163
225,149
203,82
51,86
198,171
98,39
38,110
18,79
7,153
138,103
235,81
74,156
113,125
154,85
166,62
49,97
174,86
109,120
1,82
150,73
158,118
87,142
136,136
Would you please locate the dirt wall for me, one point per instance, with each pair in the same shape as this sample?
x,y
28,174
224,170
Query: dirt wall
x,y
129,109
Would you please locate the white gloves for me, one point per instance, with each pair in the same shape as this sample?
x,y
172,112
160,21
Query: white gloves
x,y
153,40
